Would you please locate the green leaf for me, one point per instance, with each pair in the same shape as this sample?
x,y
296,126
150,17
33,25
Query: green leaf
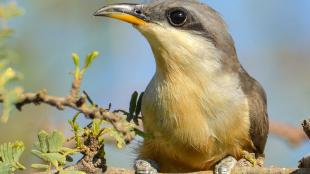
x,y
10,10
133,102
40,166
90,58
55,141
53,157
96,126
118,136
42,136
5,168
38,154
67,151
10,154
51,150
138,109
75,117
76,60
139,104
75,127
76,130
69,158
8,76
9,100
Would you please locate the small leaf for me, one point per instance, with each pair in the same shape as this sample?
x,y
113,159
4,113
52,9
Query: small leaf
x,y
76,60
10,154
75,127
56,155
55,141
10,10
9,100
138,109
75,117
76,130
8,76
5,168
90,58
38,154
69,158
40,166
132,106
53,157
139,104
18,149
118,137
133,102
42,136
68,151
96,126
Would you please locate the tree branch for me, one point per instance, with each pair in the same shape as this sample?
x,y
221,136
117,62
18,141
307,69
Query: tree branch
x,y
294,136
237,170
83,104
78,103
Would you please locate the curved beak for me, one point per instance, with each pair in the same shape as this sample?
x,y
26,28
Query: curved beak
x,y
131,13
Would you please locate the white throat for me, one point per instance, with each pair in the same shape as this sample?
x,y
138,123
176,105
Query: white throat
x,y
179,51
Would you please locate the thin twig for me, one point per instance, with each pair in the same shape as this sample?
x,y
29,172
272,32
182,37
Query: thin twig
x,y
293,135
73,101
238,170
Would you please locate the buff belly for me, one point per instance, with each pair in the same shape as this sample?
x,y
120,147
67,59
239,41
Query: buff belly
x,y
192,129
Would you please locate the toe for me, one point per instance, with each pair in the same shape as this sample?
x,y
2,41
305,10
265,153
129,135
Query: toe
x,y
225,166
145,167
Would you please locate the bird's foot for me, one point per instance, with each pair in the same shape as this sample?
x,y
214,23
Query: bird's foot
x,y
225,166
249,160
146,167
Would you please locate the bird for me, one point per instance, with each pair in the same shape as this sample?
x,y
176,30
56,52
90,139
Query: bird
x,y
201,109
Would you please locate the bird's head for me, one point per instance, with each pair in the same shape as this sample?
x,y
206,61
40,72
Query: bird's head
x,y
183,34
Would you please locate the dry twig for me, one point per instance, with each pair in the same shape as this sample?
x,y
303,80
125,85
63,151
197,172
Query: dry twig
x,y
78,103
294,136
240,170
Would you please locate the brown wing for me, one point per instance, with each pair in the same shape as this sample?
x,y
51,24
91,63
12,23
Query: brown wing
x,y
258,112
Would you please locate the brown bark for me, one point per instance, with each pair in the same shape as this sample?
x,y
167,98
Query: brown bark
x,y
243,170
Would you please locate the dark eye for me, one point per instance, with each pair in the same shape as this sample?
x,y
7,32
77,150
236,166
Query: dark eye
x,y
177,17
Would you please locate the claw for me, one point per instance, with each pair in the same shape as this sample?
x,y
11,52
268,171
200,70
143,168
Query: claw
x,y
249,160
146,167
225,166
250,157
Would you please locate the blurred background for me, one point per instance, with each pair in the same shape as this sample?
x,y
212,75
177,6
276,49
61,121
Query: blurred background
x,y
272,39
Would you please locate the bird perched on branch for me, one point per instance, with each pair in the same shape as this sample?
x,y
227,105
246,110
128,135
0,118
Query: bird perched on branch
x,y
202,110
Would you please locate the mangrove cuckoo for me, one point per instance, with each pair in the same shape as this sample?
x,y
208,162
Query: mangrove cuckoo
x,y
201,109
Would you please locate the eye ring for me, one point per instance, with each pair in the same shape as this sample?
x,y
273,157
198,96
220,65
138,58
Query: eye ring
x,y
177,17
